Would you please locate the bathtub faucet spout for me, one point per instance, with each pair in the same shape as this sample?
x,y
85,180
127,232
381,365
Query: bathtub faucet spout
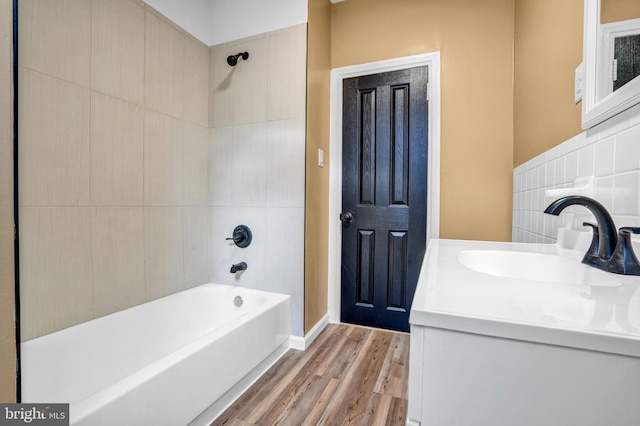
x,y
242,266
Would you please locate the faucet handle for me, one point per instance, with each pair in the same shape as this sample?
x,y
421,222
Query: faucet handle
x,y
628,230
595,240
241,236
624,260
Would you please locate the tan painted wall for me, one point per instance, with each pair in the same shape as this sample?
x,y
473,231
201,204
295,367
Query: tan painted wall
x,y
548,47
476,43
619,10
317,179
7,325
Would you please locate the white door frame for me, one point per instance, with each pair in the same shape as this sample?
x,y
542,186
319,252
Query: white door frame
x,y
432,60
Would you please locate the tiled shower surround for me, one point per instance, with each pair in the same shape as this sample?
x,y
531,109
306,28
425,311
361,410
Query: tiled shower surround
x,y
257,163
129,183
608,155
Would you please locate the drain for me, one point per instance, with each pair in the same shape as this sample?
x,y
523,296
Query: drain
x,y
238,301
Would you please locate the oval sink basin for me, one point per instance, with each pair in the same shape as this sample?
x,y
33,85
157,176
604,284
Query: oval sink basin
x,y
535,267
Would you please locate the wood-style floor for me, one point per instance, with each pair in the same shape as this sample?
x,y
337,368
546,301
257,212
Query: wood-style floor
x,y
349,376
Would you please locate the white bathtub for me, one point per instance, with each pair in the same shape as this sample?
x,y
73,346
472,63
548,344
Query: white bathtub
x,y
176,360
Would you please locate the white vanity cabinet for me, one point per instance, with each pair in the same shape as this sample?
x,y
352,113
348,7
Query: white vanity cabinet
x,y
493,350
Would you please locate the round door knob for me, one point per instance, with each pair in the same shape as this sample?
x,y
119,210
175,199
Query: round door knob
x,y
346,217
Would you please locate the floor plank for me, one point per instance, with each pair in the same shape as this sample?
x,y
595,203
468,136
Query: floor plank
x,y
350,375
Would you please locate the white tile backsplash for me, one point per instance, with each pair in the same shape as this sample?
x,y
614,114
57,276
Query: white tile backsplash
x,y
586,157
610,152
628,144
605,153
625,195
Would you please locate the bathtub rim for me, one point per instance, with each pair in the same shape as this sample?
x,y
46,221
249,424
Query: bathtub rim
x,y
83,408
93,401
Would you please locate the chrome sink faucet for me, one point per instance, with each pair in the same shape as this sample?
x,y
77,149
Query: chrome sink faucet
x,y
610,251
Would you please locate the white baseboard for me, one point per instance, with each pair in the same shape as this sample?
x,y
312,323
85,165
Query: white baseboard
x,y
302,343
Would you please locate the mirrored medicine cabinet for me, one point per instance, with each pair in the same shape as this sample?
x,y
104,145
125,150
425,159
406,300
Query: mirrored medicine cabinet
x,y
611,55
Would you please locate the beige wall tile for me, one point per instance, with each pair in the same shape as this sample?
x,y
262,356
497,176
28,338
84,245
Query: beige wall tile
x,y
249,83
55,268
6,142
6,25
54,142
224,253
55,38
162,160
220,91
164,66
249,164
195,158
196,246
117,140
196,82
7,298
287,73
163,251
6,242
118,259
220,166
7,355
285,256
117,49
7,304
285,163
163,18
106,149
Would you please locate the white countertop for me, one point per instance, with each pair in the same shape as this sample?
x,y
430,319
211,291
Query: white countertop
x,y
451,296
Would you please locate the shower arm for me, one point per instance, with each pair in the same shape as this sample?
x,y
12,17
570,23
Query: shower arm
x,y
233,59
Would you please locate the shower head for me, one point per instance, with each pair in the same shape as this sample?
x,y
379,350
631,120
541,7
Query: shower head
x,y
233,59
